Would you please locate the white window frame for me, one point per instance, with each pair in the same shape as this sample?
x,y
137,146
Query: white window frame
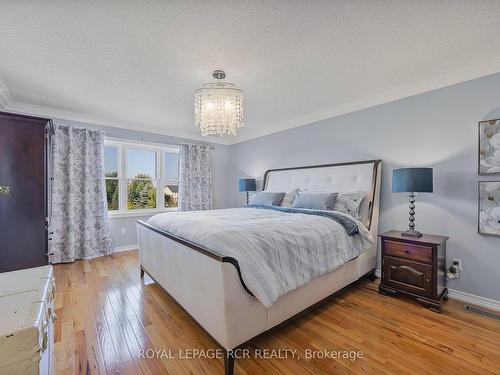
x,y
160,179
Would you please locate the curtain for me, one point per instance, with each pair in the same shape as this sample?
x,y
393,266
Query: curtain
x,y
79,220
195,181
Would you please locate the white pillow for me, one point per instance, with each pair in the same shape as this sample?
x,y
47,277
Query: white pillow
x,y
350,202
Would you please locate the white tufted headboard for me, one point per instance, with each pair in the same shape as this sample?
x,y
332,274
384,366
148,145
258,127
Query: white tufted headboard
x,y
350,176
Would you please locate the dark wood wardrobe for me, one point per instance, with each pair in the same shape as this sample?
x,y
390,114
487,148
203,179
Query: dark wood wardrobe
x,y
24,187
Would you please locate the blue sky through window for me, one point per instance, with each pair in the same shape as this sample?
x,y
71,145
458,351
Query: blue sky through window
x,y
171,166
110,159
140,162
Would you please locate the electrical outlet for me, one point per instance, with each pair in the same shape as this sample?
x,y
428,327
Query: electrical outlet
x,y
123,230
458,262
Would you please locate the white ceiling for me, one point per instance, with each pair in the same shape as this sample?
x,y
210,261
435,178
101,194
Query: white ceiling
x,y
135,64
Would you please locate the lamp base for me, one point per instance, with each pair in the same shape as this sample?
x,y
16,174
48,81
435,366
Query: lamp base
x,y
411,233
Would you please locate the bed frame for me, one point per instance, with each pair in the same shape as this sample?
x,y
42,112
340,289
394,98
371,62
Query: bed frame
x,y
209,286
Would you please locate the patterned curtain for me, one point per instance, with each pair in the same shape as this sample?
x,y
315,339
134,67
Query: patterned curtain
x,y
79,219
195,180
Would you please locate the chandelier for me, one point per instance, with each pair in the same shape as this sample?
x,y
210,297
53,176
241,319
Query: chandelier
x,y
218,107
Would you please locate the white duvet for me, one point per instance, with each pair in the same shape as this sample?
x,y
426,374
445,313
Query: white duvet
x,y
277,251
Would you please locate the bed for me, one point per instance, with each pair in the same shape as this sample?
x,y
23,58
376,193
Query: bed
x,y
208,283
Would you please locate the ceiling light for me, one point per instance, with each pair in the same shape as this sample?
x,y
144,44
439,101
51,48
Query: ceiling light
x,y
218,107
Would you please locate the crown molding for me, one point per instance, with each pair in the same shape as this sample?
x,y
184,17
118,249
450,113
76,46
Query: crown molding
x,y
61,115
446,80
9,105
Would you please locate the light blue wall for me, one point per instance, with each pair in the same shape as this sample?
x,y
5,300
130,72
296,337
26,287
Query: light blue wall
x,y
437,129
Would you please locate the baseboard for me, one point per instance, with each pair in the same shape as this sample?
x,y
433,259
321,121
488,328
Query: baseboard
x,y
473,299
466,297
119,249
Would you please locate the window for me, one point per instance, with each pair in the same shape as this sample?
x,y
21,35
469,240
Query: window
x,y
140,177
111,176
171,188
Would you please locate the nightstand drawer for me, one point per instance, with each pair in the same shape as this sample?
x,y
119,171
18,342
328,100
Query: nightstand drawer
x,y
409,276
408,251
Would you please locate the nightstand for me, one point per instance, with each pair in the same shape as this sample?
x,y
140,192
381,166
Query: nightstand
x,y
415,267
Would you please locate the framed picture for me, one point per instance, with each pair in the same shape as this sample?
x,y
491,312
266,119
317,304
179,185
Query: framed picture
x,y
489,208
489,147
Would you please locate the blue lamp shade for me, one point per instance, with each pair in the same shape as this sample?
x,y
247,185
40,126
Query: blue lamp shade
x,y
412,180
247,184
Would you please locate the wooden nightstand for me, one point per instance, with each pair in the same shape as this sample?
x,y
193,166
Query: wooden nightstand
x,y
414,266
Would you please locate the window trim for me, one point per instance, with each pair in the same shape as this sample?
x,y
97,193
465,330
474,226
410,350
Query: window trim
x,y
160,151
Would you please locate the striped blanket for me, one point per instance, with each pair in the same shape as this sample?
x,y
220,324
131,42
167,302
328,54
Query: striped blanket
x,y
277,250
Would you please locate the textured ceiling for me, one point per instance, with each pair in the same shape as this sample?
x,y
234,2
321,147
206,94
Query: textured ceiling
x,y
135,64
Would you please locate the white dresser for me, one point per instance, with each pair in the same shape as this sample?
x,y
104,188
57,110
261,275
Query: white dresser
x,y
26,321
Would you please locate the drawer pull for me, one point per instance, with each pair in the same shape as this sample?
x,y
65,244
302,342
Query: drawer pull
x,y
406,251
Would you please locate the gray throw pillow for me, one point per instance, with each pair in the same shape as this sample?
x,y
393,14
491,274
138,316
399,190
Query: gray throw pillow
x,y
315,201
265,198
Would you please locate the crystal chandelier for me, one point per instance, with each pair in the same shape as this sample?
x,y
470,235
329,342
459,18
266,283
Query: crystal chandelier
x,y
218,107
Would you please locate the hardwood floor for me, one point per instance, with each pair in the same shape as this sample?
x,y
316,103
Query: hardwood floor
x,y
107,316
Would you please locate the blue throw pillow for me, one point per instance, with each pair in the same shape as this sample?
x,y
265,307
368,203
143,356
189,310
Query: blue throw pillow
x,y
315,201
264,198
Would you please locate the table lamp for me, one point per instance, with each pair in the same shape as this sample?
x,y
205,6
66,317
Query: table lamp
x,y
246,185
412,180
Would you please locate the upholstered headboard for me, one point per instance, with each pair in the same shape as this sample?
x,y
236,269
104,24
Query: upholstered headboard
x,y
340,177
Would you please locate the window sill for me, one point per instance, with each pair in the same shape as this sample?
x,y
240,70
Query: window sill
x,y
139,213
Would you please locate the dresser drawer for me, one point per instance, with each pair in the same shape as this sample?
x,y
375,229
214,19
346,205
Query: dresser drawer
x,y
408,251
408,276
